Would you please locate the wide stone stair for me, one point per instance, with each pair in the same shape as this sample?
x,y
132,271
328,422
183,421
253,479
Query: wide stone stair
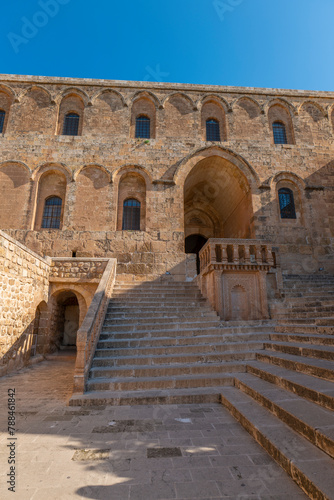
x,y
162,343
285,400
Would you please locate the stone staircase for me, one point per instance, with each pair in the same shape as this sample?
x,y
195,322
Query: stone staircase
x,y
307,299
285,400
162,343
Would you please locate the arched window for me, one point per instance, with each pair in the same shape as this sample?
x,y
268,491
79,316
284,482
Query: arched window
x,y
52,213
143,127
131,215
286,203
279,132
212,130
2,120
71,124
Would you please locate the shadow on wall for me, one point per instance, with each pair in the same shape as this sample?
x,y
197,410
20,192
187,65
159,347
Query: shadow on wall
x,y
54,327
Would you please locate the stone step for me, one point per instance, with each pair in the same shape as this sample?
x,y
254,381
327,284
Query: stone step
x,y
306,418
196,395
305,329
209,367
163,359
312,388
176,382
118,355
304,338
186,332
166,325
183,332
318,368
309,467
129,342
117,319
155,294
169,301
323,352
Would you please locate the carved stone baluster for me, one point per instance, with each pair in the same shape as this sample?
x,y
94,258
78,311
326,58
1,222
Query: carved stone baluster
x,y
247,254
224,254
236,254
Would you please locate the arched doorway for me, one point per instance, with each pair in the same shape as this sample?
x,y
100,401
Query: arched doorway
x,y
66,317
193,244
217,200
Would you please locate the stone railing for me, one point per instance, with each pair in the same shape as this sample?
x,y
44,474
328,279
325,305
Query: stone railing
x,y
77,269
236,254
89,332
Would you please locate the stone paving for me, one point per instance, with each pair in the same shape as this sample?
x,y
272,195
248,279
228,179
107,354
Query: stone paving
x,y
128,453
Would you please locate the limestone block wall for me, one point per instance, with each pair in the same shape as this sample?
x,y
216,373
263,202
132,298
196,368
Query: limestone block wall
x,y
24,285
94,172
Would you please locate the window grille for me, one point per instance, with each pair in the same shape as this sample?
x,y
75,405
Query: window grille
x,y
143,127
52,213
71,124
287,204
2,120
131,215
279,132
212,130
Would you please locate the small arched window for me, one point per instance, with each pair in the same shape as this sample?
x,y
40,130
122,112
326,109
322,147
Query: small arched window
x,y
131,215
279,132
71,124
52,213
212,130
143,127
2,120
286,204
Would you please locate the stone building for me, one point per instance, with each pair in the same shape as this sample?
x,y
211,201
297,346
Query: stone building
x,y
206,215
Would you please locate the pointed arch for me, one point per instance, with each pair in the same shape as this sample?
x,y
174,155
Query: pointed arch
x,y
184,96
282,102
9,91
279,115
313,103
48,167
17,162
93,165
246,98
148,95
285,175
143,108
215,98
15,188
187,163
72,91
34,87
109,91
130,167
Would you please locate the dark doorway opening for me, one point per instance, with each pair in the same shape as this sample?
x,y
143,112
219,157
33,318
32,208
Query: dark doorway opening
x,y
193,244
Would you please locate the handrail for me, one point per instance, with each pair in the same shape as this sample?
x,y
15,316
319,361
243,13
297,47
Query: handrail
x,y
89,332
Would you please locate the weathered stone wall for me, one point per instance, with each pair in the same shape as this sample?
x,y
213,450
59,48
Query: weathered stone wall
x,y
24,284
87,170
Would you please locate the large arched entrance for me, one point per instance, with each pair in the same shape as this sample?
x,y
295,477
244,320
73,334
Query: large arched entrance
x,y
217,200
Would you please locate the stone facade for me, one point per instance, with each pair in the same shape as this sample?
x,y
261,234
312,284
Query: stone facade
x,y
189,189
185,184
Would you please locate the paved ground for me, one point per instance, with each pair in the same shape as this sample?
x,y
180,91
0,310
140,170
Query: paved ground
x,y
128,453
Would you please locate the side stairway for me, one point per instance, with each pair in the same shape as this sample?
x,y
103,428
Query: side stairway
x,y
308,300
162,343
285,400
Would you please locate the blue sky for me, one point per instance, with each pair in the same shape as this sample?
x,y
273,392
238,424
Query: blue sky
x,y
254,43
